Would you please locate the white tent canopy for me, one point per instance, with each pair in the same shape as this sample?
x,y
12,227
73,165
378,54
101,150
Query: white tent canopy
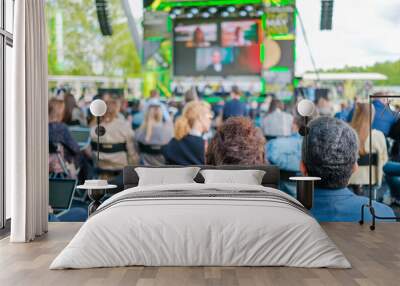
x,y
344,76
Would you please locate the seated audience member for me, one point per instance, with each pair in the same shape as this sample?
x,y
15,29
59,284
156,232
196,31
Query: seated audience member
x,y
152,135
332,156
73,115
234,107
59,136
277,123
360,124
285,152
118,138
189,96
344,113
138,116
188,146
384,118
74,214
237,142
395,135
155,99
324,106
392,173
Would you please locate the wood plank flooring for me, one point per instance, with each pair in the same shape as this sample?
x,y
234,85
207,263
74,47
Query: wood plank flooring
x,y
375,257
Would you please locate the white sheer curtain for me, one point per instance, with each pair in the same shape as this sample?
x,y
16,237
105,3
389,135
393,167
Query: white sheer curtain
x,y
26,120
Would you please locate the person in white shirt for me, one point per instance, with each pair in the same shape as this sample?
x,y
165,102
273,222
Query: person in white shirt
x,y
277,123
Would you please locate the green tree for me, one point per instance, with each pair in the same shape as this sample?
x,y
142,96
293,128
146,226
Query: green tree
x,y
85,50
390,69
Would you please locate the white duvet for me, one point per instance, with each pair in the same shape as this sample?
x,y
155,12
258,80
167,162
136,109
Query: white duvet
x,y
203,231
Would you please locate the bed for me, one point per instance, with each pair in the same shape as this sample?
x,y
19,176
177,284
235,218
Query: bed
x,y
197,224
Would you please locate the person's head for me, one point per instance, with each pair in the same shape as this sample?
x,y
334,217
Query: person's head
x,y
237,141
344,105
70,104
195,115
235,92
216,57
113,107
56,109
332,152
153,116
238,33
198,36
275,104
360,123
190,95
298,122
154,93
381,99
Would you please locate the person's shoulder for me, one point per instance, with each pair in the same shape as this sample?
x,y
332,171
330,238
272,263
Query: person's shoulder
x,y
383,210
121,121
192,138
228,103
380,208
61,126
378,135
273,142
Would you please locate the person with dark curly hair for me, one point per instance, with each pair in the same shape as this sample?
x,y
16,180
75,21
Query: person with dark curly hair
x,y
237,141
332,154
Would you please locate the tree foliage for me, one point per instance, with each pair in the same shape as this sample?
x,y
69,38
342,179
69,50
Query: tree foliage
x,y
85,50
390,69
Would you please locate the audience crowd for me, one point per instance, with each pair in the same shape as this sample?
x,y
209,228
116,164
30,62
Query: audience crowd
x,y
155,132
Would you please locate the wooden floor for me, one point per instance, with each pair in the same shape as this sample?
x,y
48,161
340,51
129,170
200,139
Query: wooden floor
x,y
375,257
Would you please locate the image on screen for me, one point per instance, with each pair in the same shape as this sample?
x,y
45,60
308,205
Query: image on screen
x,y
218,47
198,35
239,33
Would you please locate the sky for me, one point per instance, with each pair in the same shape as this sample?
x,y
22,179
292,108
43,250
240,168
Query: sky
x,y
364,32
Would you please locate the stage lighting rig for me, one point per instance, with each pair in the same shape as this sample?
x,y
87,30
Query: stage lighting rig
x,y
194,11
205,15
176,11
231,9
242,13
225,14
213,10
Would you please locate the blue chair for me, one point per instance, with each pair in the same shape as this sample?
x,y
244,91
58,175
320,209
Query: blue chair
x,y
392,175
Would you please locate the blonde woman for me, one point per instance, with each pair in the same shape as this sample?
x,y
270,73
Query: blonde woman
x,y
188,146
360,123
152,135
117,148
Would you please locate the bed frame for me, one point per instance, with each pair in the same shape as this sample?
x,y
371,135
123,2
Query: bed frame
x,y
271,178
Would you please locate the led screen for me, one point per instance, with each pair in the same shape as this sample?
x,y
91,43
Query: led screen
x,y
216,47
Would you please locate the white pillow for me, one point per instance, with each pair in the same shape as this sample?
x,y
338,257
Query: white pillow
x,y
248,177
166,176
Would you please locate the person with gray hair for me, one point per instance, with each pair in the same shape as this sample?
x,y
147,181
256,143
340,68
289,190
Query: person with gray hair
x,y
332,155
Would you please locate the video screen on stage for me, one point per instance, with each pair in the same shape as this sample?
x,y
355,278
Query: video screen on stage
x,y
216,47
